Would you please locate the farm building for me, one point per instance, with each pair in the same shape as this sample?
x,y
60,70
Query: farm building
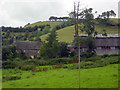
x,y
30,48
104,45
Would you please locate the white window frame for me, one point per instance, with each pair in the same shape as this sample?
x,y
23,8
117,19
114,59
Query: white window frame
x,y
99,48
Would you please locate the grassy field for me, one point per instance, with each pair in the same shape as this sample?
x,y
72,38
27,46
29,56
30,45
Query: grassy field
x,y
0,78
67,34
102,77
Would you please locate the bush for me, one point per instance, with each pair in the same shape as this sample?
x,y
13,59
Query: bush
x,y
8,77
17,59
94,58
43,62
60,60
104,56
72,54
114,55
99,63
113,60
27,67
7,64
84,65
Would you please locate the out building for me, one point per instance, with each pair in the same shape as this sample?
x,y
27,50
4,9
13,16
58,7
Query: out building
x,y
104,45
30,48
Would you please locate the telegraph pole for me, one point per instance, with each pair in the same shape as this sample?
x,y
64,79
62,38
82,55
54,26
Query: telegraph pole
x,y
76,34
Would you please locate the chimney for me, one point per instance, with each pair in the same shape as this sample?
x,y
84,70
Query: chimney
x,y
14,41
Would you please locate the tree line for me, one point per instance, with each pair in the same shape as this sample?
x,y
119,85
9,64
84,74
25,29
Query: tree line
x,y
20,29
53,18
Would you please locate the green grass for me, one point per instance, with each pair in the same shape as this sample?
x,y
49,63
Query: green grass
x,y
51,23
0,78
67,34
102,77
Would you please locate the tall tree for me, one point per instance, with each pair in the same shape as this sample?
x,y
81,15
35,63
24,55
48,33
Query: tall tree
x,y
87,21
51,46
108,14
104,18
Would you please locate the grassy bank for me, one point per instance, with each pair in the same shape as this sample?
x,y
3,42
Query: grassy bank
x,y
102,77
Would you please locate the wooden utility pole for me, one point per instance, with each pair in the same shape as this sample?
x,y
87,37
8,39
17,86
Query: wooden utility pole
x,y
76,34
76,19
76,11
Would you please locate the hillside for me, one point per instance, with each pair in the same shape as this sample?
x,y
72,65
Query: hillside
x,y
51,23
65,31
67,34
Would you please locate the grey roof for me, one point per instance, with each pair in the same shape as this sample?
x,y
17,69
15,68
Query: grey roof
x,y
28,45
103,41
100,35
107,41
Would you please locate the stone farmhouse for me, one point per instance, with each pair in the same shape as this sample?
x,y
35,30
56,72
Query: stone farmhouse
x,y
30,48
104,45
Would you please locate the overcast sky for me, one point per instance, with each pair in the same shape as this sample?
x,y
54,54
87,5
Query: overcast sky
x,y
17,13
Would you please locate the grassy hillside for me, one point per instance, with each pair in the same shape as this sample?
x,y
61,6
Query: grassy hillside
x,y
67,34
51,23
102,77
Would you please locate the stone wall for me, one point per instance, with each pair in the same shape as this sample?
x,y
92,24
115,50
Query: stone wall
x,y
107,51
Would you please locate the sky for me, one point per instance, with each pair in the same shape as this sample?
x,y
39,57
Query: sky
x,y
18,13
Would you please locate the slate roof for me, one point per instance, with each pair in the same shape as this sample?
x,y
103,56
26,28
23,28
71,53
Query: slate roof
x,y
103,41
28,45
109,41
100,35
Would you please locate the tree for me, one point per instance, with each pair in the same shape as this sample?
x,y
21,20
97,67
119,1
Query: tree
x,y
51,46
104,32
8,52
87,21
89,42
26,35
46,30
108,14
105,16
64,51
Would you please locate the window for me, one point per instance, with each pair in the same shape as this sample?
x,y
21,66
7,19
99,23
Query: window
x,y
112,47
39,51
99,47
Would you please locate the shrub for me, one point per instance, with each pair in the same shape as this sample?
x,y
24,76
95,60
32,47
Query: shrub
x,y
27,67
43,62
8,77
113,60
104,56
60,60
99,63
72,54
17,59
94,58
9,64
114,55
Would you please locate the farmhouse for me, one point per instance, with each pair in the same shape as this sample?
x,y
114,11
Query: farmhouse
x,y
30,48
104,45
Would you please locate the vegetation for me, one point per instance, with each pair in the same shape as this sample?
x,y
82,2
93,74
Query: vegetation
x,y
104,77
52,18
52,24
87,23
57,67
67,34
50,49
